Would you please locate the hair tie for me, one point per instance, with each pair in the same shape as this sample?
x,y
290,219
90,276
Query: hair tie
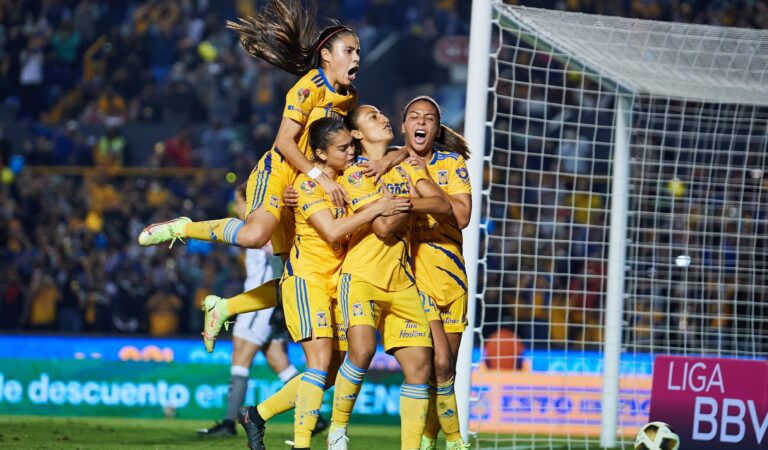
x,y
320,45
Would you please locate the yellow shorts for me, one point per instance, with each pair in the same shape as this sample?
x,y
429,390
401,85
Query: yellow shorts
x,y
307,309
398,315
264,189
339,329
453,315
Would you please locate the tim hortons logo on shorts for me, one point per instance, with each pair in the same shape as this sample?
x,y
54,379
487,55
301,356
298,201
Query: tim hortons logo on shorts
x,y
357,310
322,320
302,95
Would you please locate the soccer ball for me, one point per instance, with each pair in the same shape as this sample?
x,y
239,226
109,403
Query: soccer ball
x,y
656,436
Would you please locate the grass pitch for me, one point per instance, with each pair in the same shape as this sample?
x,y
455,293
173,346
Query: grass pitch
x,y
35,432
27,432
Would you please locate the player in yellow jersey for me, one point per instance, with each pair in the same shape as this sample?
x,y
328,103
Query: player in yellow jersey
x,y
309,285
282,34
438,262
377,290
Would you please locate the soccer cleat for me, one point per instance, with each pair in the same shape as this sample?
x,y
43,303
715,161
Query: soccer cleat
x,y
455,445
216,315
224,428
428,443
337,439
321,425
253,425
158,233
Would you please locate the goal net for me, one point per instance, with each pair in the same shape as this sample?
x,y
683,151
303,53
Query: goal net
x,y
624,216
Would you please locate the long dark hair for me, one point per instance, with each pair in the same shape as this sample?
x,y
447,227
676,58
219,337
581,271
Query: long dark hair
x,y
321,131
282,33
447,137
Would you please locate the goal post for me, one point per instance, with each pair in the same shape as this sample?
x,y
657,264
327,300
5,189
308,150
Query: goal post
x,y
620,208
475,125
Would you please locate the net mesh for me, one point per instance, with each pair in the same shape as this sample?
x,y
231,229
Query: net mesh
x,y
696,263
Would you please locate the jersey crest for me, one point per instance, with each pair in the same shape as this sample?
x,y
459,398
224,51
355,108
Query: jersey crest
x,y
308,186
442,178
355,178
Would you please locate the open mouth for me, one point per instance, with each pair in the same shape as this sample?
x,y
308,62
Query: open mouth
x,y
420,137
351,73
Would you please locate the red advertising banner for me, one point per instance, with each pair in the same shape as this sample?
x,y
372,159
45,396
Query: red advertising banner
x,y
521,402
712,403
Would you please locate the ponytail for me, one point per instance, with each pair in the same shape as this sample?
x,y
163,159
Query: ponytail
x,y
282,34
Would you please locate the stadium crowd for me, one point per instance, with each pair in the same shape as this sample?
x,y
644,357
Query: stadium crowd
x,y
67,241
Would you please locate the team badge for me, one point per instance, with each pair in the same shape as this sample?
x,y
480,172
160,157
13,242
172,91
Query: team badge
x,y
355,178
442,178
462,173
273,201
322,319
302,95
308,186
357,310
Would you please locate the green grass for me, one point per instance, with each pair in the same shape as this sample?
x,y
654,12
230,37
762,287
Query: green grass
x,y
35,432
27,432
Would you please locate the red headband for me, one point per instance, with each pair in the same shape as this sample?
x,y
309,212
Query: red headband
x,y
320,45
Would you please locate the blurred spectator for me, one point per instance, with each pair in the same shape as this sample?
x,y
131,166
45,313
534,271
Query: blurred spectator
x,y
111,149
177,150
215,145
32,63
163,307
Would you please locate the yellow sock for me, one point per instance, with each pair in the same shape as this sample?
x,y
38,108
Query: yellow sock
x,y
258,298
221,230
309,399
281,401
432,427
347,387
414,401
447,412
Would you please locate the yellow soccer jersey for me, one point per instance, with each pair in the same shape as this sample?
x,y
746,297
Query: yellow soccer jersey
x,y
437,253
311,257
312,98
384,263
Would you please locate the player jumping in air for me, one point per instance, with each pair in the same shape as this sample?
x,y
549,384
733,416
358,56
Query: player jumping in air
x,y
282,34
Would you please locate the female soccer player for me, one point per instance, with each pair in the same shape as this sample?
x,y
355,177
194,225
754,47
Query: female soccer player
x,y
282,34
377,288
253,332
309,283
437,259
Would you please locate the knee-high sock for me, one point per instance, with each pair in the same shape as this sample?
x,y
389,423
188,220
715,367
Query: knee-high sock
x,y
447,412
432,427
309,399
280,401
347,387
222,230
414,400
258,298
238,385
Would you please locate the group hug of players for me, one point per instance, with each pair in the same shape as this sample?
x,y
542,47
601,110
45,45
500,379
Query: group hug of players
x,y
371,238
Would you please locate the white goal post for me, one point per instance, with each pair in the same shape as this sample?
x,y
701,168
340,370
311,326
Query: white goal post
x,y
620,212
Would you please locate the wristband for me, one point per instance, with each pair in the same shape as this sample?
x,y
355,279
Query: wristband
x,y
314,173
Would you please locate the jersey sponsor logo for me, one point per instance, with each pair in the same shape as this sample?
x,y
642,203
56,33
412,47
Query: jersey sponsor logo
x,y
302,95
401,171
322,319
310,204
398,188
308,186
355,178
298,110
462,173
442,178
357,310
273,201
